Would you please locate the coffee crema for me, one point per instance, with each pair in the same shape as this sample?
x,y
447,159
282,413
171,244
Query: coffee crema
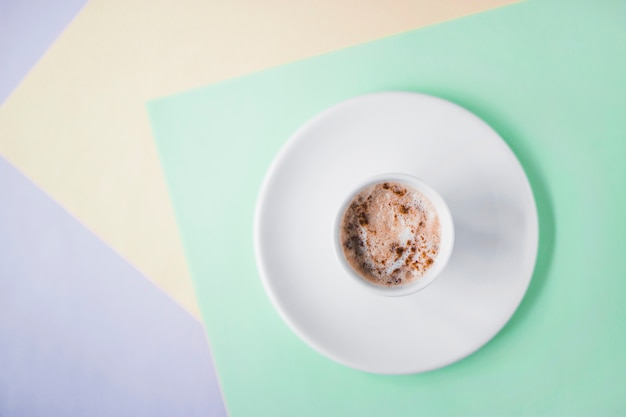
x,y
390,234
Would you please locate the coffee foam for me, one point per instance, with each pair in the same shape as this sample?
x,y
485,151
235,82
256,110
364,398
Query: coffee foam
x,y
390,234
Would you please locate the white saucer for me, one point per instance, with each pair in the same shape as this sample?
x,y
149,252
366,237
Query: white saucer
x,y
494,215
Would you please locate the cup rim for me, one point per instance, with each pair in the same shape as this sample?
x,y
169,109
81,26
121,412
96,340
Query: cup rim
x,y
447,235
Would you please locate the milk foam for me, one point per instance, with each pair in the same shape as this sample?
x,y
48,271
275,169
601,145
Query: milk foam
x,y
390,234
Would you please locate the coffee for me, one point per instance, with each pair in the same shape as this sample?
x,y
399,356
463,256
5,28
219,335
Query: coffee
x,y
390,234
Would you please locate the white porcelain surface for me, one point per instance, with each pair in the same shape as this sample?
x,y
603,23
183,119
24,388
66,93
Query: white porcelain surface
x,y
495,223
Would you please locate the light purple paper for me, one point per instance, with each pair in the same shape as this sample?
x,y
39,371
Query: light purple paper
x,y
27,29
82,333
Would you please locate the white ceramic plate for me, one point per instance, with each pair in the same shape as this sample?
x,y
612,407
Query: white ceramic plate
x,y
492,207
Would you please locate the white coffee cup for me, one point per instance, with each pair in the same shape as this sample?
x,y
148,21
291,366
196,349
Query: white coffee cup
x,y
446,244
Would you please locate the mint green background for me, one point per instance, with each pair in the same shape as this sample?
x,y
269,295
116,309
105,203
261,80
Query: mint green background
x,y
550,77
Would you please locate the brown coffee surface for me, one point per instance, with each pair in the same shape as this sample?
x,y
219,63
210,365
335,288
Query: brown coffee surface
x,y
390,234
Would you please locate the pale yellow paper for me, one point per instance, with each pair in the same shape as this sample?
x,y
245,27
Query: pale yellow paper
x,y
77,125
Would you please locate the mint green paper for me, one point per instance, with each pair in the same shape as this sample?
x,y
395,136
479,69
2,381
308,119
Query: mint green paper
x,y
550,77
